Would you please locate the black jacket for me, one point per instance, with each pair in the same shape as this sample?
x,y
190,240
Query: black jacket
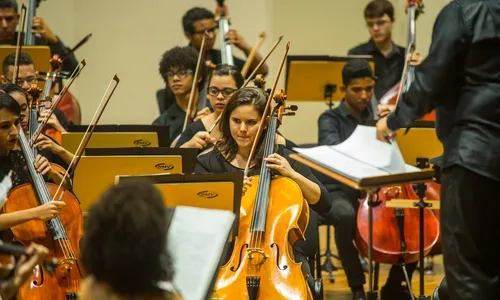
x,y
461,79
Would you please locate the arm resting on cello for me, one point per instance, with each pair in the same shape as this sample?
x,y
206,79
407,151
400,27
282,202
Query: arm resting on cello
x,y
43,212
448,41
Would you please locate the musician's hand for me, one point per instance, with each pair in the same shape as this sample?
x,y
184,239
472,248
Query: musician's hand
x,y
233,37
202,113
43,142
384,134
415,58
53,122
385,109
49,210
280,164
40,27
247,182
24,269
42,165
200,140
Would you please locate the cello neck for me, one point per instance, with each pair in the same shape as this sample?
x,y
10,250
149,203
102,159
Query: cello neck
x,y
225,48
29,36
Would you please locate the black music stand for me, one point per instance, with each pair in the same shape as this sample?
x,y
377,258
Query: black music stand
x,y
189,155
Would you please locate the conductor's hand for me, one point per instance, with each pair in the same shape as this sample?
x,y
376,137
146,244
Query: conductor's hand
x,y
200,140
49,210
384,134
202,113
280,164
385,109
247,182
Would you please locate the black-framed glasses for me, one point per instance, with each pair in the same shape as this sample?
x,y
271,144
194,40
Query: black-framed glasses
x,y
226,92
378,23
180,73
19,81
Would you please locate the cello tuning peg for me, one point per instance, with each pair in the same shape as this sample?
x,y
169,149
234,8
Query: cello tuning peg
x,y
289,114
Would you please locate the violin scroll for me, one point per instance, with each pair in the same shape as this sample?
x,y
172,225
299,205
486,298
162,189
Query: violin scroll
x,y
259,81
418,4
34,91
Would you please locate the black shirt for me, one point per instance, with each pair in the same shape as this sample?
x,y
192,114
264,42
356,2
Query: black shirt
x,y
388,69
460,78
213,162
173,117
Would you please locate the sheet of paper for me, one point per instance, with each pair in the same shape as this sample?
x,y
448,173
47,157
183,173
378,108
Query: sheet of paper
x,y
196,239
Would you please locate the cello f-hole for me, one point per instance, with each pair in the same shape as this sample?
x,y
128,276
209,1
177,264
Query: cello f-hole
x,y
233,269
278,256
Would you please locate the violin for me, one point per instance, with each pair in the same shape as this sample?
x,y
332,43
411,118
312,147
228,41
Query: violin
x,y
61,235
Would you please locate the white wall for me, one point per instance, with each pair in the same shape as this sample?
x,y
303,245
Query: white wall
x,y
128,38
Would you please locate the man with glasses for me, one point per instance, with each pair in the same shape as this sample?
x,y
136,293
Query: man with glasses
x,y
388,57
26,77
9,19
177,68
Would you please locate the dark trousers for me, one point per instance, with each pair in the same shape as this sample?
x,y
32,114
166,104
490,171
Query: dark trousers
x,y
470,227
343,216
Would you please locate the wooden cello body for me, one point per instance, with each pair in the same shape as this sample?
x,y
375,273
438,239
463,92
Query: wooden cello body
x,y
61,235
433,192
269,264
395,230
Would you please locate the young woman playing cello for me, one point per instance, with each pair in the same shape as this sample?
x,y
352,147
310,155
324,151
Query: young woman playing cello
x,y
239,126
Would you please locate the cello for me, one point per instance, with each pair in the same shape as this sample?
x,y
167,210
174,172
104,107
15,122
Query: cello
x,y
274,215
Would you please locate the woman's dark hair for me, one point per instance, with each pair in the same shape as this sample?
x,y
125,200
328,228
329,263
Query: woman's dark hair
x,y
228,70
10,104
124,241
9,88
246,96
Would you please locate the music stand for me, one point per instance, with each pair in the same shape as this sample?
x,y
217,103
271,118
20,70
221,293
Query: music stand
x,y
189,155
161,130
371,185
215,191
317,77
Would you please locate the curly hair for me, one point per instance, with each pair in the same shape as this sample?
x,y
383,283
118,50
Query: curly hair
x,y
253,96
193,15
124,242
182,58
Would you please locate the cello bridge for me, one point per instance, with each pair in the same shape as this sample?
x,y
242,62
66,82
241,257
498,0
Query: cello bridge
x,y
257,256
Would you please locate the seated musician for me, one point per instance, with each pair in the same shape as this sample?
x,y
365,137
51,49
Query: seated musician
x,y
123,249
48,147
26,77
239,125
388,57
335,126
194,23
177,67
9,14
10,119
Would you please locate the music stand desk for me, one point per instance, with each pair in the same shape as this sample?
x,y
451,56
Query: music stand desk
x,y
307,76
94,174
71,140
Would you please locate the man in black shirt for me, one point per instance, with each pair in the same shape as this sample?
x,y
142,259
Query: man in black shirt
x,y
335,126
9,17
388,57
460,78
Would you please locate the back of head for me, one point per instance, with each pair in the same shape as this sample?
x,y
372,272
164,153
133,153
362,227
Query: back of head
x,y
377,9
10,60
193,15
182,58
124,243
356,68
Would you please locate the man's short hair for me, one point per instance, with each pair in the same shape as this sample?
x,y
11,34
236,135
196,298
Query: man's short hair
x,y
356,68
377,9
193,15
124,241
8,4
182,58
10,60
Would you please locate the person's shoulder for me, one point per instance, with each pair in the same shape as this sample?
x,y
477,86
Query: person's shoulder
x,y
360,49
329,114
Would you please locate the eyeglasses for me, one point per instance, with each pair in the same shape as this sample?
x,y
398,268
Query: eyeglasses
x,y
378,23
30,80
226,92
208,30
180,73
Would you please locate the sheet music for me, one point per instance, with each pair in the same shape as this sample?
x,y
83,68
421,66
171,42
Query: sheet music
x,y
196,239
360,156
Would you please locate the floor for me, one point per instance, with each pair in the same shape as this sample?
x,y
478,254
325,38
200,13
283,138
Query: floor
x,y
339,290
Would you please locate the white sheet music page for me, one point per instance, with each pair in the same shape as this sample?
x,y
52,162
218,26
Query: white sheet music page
x,y
359,156
196,239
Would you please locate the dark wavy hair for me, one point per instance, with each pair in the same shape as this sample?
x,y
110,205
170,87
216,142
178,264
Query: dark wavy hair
x,y
227,70
182,58
193,15
246,96
124,241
